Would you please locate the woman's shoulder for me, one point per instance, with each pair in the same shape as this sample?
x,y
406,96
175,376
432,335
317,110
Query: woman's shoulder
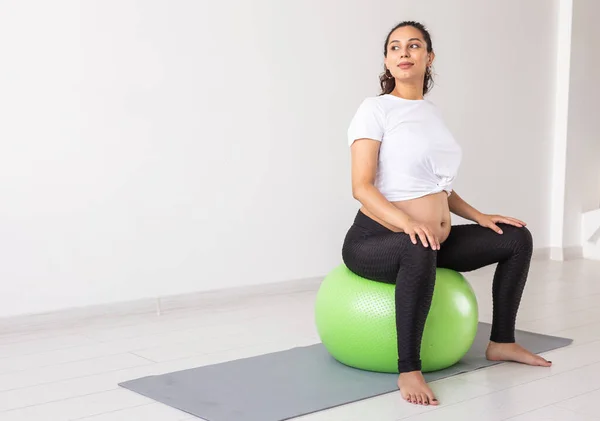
x,y
371,101
379,104
379,100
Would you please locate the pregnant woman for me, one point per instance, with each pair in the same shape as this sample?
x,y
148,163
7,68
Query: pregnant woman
x,y
404,162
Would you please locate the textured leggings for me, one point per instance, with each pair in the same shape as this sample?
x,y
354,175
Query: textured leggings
x,y
374,252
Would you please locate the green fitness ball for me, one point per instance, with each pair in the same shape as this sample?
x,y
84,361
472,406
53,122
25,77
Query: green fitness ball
x,y
356,321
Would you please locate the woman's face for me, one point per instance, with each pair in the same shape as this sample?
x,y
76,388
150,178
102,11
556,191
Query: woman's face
x,y
407,56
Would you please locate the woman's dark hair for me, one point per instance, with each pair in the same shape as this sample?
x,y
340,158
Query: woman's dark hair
x,y
386,80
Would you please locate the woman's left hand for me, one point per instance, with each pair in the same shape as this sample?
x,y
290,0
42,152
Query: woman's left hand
x,y
490,221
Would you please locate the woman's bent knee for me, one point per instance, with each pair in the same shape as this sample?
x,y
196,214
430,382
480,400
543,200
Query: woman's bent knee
x,y
520,237
419,252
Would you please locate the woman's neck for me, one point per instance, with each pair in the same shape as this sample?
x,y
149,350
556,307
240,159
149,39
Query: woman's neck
x,y
408,91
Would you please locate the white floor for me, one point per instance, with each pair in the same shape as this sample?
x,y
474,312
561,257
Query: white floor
x,y
70,370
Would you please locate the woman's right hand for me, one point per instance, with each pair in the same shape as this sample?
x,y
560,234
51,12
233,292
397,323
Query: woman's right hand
x,y
421,231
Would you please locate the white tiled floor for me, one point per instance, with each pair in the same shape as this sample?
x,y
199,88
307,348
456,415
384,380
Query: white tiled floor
x,y
71,371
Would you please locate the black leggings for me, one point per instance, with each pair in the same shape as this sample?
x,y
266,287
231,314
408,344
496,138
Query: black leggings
x,y
374,252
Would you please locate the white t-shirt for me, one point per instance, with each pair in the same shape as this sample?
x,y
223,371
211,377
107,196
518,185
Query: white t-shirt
x,y
418,155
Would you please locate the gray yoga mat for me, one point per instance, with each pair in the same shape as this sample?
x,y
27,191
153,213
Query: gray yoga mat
x,y
299,381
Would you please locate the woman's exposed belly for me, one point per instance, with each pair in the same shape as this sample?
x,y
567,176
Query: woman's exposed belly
x,y
432,210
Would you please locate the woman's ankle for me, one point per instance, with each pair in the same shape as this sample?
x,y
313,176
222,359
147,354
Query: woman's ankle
x,y
409,366
411,373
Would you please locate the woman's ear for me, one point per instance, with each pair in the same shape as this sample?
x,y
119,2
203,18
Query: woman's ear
x,y
431,58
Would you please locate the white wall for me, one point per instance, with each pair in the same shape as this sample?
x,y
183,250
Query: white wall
x,y
158,147
582,186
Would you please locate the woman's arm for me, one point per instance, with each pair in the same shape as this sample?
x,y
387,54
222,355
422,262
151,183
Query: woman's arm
x,y
365,154
461,208
364,167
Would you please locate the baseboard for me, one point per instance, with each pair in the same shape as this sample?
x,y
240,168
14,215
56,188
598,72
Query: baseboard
x,y
202,300
541,253
565,253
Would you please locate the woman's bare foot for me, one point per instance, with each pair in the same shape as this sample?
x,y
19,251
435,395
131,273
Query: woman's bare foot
x,y
414,389
514,352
